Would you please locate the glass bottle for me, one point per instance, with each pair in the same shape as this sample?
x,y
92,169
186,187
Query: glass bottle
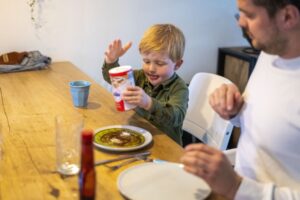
x,y
87,174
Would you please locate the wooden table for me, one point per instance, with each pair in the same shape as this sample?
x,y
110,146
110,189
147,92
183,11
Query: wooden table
x,y
29,102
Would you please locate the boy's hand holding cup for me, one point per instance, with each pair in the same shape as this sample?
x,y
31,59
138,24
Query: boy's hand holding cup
x,y
137,96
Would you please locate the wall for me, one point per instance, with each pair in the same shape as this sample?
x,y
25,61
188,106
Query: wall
x,y
80,31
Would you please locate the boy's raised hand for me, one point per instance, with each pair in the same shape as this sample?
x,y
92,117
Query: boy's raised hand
x,y
116,50
137,96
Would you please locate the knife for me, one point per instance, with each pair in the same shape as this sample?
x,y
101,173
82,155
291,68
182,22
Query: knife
x,y
159,161
123,157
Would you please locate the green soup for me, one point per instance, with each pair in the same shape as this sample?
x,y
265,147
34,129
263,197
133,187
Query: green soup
x,y
119,137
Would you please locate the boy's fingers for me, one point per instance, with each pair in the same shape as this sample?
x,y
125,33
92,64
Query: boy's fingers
x,y
127,46
132,88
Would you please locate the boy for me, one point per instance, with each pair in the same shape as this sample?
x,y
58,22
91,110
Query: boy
x,y
160,95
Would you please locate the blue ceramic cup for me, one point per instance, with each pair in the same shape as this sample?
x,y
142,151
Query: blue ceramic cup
x,y
80,92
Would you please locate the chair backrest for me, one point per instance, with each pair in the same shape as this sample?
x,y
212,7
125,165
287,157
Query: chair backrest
x,y
201,120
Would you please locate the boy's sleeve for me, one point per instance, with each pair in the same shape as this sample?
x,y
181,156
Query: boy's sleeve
x,y
106,67
172,111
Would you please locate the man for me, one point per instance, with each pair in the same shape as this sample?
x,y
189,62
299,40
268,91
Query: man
x,y
268,154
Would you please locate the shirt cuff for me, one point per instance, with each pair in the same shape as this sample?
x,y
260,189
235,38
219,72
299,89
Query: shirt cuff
x,y
252,190
235,120
109,65
154,106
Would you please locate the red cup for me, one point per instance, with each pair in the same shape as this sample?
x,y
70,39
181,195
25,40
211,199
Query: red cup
x,y
121,77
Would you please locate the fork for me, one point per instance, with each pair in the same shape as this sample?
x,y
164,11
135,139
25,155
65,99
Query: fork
x,y
115,167
123,157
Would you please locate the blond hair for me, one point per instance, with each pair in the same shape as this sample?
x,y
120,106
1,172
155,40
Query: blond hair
x,y
163,38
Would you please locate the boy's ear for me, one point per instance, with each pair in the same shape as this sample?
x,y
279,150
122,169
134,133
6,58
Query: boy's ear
x,y
178,64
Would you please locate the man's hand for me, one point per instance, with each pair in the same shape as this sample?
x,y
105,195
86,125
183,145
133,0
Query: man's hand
x,y
226,101
213,166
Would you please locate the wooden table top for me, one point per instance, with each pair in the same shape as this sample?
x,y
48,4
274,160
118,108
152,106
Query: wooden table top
x,y
29,102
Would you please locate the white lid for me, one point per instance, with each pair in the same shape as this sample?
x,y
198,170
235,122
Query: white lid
x,y
119,70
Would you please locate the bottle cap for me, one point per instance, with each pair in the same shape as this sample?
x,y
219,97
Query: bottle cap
x,y
120,71
87,135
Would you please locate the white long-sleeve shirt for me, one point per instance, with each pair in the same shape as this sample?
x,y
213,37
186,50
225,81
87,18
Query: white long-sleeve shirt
x,y
268,153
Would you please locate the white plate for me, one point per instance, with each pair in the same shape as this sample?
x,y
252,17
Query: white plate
x,y
147,135
161,181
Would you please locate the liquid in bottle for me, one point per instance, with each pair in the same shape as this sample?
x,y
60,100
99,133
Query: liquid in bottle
x,y
87,174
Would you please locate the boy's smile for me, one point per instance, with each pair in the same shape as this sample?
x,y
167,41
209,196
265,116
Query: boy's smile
x,y
158,67
152,77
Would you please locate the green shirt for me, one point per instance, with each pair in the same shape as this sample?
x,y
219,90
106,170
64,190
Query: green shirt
x,y
169,101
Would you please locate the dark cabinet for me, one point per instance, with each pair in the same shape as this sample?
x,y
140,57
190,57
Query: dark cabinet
x,y
236,64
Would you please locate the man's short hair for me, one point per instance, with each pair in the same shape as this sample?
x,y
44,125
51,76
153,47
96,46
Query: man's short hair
x,y
272,6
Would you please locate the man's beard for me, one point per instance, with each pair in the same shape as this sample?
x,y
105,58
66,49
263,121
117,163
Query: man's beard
x,y
275,44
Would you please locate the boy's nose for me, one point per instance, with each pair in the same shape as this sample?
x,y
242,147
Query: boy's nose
x,y
152,67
